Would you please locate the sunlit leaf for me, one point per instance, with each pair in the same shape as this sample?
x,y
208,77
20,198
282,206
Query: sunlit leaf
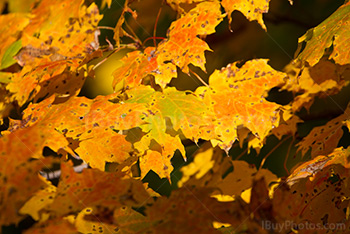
x,y
252,10
231,177
90,122
237,97
185,111
195,175
98,146
203,162
159,159
183,47
48,44
38,202
333,32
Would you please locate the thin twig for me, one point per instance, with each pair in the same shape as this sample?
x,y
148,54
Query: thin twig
x,y
273,149
104,60
133,47
241,155
154,38
286,159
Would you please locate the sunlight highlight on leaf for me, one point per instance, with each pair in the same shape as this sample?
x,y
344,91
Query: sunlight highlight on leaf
x,y
237,97
333,32
252,10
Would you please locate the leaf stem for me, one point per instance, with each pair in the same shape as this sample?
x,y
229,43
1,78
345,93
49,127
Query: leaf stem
x,y
199,78
105,27
134,36
154,38
113,52
155,25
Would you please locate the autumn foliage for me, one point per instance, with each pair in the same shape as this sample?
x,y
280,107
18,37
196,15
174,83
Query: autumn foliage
x,y
49,129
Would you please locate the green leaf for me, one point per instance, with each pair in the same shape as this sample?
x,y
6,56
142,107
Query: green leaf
x,y
8,60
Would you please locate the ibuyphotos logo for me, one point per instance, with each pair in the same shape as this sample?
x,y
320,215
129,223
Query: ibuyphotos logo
x,y
290,225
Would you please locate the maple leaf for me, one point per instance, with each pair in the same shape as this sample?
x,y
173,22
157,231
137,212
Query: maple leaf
x,y
38,202
209,169
193,211
159,160
320,181
55,30
47,79
16,152
141,127
14,193
312,167
54,52
132,72
181,48
96,189
90,122
13,24
322,80
138,65
242,178
252,10
323,139
186,112
98,146
333,32
288,127
85,114
237,97
53,226
203,161
26,143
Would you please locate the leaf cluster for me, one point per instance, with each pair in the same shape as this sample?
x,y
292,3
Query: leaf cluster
x,y
104,149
